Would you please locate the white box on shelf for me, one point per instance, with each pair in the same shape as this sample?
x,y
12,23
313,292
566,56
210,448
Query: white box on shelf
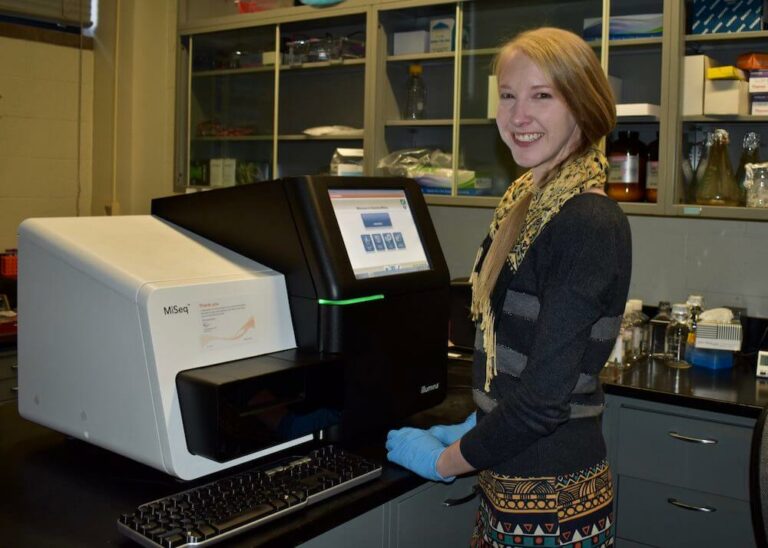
x,y
759,105
216,171
493,96
441,33
414,41
726,97
268,58
637,109
694,75
758,81
228,171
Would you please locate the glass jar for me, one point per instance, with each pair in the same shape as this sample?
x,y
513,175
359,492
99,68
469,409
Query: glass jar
x,y
658,329
756,185
626,173
718,184
677,337
750,150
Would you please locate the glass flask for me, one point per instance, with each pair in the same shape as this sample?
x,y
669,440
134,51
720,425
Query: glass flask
x,y
750,150
416,94
756,185
677,337
718,184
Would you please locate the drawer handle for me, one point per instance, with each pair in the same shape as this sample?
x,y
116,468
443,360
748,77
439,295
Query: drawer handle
x,y
15,366
462,500
685,506
689,439
14,388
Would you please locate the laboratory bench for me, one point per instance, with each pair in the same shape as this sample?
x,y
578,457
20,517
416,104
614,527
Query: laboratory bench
x,y
59,491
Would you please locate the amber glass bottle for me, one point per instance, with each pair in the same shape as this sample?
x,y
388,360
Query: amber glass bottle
x,y
627,168
652,170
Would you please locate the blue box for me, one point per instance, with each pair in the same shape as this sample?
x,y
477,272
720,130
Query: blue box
x,y
710,359
718,16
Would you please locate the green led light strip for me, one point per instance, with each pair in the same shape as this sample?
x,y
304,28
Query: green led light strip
x,y
351,301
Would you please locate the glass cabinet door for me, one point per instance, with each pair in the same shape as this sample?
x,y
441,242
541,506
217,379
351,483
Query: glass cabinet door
x,y
417,143
322,94
483,156
635,69
709,106
230,106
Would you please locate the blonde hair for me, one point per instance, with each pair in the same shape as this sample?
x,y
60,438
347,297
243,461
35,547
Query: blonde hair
x,y
575,72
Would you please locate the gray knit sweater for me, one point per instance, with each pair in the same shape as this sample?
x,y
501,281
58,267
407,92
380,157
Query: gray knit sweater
x,y
557,319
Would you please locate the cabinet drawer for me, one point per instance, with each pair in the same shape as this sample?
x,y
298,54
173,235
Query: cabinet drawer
x,y
688,452
646,515
421,519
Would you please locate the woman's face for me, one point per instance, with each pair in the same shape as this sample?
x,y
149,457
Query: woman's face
x,y
532,117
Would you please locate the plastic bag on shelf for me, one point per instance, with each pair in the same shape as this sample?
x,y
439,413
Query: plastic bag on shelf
x,y
430,168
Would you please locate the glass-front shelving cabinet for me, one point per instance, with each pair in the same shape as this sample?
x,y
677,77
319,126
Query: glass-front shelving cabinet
x,y
280,91
268,101
694,127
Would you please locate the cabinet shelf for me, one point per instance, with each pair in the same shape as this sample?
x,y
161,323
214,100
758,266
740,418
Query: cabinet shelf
x,y
324,64
302,137
728,118
628,42
440,56
727,36
721,212
234,138
233,71
421,123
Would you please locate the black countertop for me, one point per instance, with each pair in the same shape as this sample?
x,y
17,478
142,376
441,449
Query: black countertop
x,y
56,491
734,391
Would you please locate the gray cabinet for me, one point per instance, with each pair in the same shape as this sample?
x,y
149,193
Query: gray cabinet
x,y
8,378
416,519
680,475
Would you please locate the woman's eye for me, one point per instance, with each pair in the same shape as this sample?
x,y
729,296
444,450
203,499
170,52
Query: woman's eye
x,y
543,95
506,95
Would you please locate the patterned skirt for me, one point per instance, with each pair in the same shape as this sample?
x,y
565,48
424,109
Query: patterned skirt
x,y
574,511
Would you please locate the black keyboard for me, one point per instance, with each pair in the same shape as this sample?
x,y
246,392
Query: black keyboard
x,y
234,504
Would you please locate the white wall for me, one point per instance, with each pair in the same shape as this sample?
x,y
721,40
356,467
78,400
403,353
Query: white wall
x,y
725,261
46,126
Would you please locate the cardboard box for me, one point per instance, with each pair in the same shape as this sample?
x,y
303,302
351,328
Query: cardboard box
x,y
624,26
759,105
415,41
694,70
728,72
709,16
758,81
441,33
726,97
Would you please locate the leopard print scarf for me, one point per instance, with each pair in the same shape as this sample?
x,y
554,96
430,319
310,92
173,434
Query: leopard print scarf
x,y
582,172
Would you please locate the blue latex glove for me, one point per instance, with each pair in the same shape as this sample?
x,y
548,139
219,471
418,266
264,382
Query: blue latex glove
x,y
416,450
449,433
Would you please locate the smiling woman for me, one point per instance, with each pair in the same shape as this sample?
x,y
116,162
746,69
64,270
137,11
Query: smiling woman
x,y
548,291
